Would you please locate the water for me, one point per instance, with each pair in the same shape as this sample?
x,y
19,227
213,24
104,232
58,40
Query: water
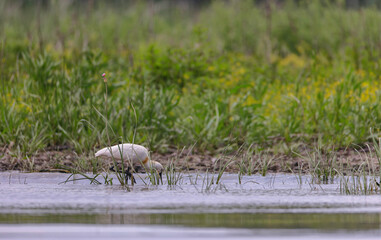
x,y
36,205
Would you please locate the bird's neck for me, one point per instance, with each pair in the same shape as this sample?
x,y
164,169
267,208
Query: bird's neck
x,y
148,164
145,161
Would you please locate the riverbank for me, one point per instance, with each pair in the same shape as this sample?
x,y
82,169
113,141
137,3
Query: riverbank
x,y
225,75
189,160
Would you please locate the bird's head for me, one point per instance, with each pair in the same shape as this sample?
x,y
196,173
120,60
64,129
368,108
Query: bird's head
x,y
156,166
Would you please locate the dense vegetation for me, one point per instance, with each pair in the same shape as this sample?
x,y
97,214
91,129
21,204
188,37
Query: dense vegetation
x,y
228,74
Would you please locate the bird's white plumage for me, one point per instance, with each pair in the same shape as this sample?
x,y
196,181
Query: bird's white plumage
x,y
132,153
128,151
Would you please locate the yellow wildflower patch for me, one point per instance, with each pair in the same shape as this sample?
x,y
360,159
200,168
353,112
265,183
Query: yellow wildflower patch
x,y
292,60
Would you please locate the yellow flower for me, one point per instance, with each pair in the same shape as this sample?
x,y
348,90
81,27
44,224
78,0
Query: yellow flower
x,y
186,76
250,101
292,60
360,73
211,68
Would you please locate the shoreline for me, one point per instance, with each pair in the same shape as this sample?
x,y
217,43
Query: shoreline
x,y
343,160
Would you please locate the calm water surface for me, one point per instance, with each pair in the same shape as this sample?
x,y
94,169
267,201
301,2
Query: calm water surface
x,y
36,205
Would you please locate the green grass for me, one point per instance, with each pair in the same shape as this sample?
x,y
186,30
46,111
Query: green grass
x,y
220,77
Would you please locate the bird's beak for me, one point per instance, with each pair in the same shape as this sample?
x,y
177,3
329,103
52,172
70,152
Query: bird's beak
x,y
161,177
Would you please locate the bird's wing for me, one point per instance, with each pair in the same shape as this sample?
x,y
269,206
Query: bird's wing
x,y
133,153
122,150
127,151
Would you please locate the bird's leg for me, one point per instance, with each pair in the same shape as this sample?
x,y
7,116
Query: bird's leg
x,y
128,175
132,179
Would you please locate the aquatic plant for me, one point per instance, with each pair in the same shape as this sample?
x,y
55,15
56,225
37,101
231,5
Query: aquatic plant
x,y
322,164
366,178
359,183
173,175
254,161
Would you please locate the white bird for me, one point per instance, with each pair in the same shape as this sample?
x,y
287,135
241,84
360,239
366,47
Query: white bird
x,y
132,153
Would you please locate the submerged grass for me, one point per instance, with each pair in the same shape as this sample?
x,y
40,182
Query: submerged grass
x,y
173,175
322,164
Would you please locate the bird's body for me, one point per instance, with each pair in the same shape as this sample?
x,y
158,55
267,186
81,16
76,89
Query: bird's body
x,y
126,151
131,153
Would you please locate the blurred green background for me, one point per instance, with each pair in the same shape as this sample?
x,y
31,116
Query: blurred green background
x,y
215,74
